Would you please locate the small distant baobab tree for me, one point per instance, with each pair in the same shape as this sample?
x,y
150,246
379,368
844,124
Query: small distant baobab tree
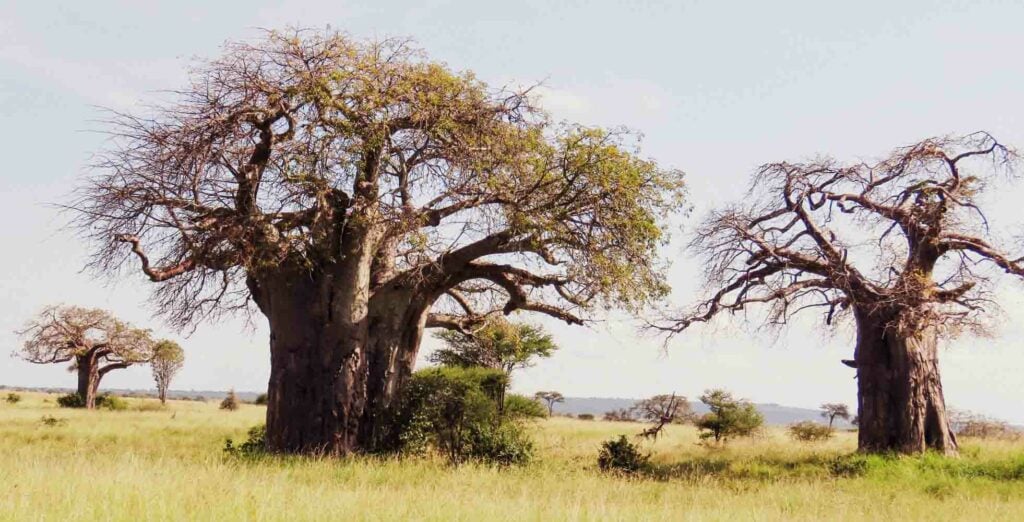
x,y
834,410
901,246
167,360
93,341
550,398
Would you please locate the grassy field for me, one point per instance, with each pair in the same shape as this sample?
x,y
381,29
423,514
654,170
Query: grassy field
x,y
169,465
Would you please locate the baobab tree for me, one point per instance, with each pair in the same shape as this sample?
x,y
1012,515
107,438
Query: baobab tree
x,y
92,340
900,245
166,362
833,410
358,193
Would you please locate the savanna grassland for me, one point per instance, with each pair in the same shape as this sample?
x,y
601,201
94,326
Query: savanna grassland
x,y
148,463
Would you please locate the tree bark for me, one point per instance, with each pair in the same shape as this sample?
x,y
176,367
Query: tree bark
x,y
900,402
397,321
88,379
316,391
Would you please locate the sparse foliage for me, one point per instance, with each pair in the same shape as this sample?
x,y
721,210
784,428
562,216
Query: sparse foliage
x,y
662,410
167,360
834,410
550,398
93,340
520,406
13,398
357,183
901,246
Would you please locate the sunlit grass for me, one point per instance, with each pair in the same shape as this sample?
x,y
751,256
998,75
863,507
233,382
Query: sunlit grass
x,y
167,464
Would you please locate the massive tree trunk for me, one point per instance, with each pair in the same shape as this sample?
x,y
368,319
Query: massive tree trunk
x,y
88,378
316,392
397,321
900,403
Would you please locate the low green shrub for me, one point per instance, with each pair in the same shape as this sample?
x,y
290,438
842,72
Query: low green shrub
x,y
523,407
585,416
255,443
621,455
104,401
13,398
261,399
454,411
52,422
809,431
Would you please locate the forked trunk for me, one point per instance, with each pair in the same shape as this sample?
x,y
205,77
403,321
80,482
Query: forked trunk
x,y
397,321
900,403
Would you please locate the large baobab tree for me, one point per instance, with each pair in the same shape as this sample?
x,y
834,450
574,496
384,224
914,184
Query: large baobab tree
x,y
92,340
900,245
358,193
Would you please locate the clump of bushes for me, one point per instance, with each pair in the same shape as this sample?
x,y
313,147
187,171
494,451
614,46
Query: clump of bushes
x,y
523,407
454,411
52,422
255,443
13,398
809,431
967,424
585,416
104,401
622,456
261,399
230,403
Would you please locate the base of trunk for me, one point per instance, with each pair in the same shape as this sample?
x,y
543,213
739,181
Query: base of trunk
x,y
901,407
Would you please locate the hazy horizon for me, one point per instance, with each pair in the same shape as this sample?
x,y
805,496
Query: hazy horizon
x,y
715,90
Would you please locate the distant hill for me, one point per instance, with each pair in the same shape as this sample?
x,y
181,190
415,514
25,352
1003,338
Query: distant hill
x,y
774,414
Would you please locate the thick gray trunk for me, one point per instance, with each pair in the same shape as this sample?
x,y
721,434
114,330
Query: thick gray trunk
x,y
900,401
397,321
88,379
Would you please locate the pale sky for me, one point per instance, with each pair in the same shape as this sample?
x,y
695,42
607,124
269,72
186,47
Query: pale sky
x,y
716,88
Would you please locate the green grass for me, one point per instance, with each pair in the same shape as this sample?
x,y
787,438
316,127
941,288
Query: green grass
x,y
168,464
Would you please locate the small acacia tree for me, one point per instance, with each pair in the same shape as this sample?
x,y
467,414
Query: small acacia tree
x,y
550,398
358,193
500,344
901,246
93,341
729,417
168,358
834,410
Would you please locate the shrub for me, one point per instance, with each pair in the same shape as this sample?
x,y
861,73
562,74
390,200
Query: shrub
x,y
71,400
622,456
255,443
585,416
622,415
809,431
51,421
261,399
104,401
523,407
454,411
111,402
13,398
230,402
